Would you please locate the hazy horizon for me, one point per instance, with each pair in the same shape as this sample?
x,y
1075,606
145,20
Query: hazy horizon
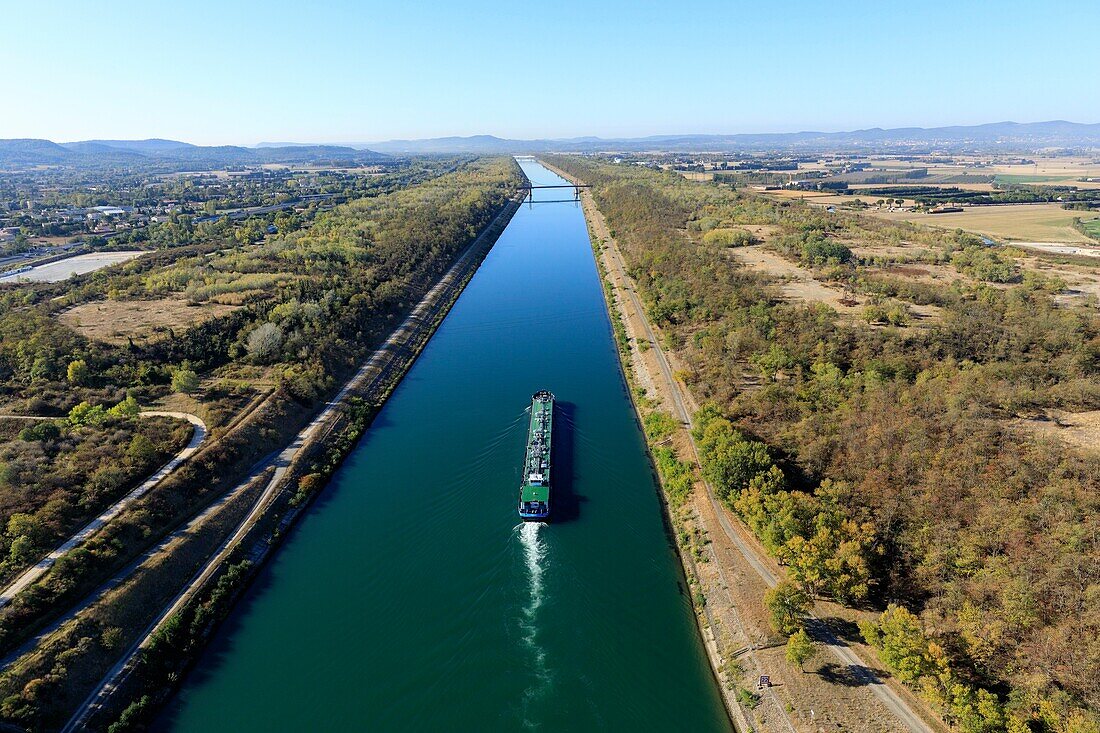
x,y
244,73
680,133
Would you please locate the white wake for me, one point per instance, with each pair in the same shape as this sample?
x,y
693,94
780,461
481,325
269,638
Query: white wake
x,y
534,556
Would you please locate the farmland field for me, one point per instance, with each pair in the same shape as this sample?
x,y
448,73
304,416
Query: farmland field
x,y
1023,222
1024,178
1092,226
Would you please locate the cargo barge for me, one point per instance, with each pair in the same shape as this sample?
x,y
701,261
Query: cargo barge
x,y
534,491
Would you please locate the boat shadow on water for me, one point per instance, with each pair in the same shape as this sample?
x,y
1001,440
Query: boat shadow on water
x,y
567,503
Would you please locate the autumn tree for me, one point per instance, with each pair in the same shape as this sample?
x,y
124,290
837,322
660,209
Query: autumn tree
x,y
800,649
787,605
78,372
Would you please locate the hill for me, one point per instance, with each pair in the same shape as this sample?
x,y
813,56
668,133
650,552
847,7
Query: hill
x,y
171,154
1001,136
152,146
29,151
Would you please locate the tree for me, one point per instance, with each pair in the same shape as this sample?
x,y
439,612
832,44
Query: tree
x,y
251,231
42,368
126,408
730,462
22,524
265,342
78,372
141,450
22,550
25,532
787,605
903,645
185,380
800,649
87,414
287,222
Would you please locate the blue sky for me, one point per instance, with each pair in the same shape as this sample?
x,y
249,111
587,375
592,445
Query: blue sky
x,y
245,72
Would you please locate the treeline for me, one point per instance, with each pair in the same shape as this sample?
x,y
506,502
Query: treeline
x,y
307,293
1090,229
55,475
881,465
348,279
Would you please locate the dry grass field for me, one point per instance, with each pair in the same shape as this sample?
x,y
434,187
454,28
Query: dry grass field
x,y
1080,429
1021,223
1044,169
115,321
797,283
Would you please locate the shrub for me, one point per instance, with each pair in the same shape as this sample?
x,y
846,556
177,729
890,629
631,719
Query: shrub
x,y
729,237
747,699
982,263
659,425
821,251
41,431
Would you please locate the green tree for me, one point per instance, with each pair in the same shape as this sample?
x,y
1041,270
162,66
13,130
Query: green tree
x,y
42,368
287,222
903,644
141,450
730,462
22,550
800,649
78,372
21,524
87,414
251,231
787,605
126,408
185,380
26,533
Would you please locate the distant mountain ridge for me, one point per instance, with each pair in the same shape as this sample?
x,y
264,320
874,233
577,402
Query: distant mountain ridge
x,y
151,146
1005,135
171,154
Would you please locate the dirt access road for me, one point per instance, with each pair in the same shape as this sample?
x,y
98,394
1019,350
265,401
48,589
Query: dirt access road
x,y
847,692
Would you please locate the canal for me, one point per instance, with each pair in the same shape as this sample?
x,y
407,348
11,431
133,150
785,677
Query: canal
x,y
411,599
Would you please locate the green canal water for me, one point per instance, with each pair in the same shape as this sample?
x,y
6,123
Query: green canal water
x,y
411,599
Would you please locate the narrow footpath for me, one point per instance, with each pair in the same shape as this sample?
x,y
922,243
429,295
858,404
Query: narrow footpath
x,y
36,571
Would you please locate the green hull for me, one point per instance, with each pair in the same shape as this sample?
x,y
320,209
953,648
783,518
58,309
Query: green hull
x,y
534,491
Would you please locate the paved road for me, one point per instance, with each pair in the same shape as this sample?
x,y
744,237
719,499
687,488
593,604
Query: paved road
x,y
36,571
889,697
